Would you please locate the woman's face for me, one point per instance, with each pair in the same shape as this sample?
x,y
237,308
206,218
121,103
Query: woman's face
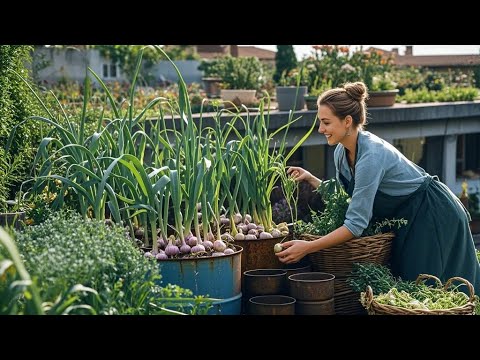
x,y
331,126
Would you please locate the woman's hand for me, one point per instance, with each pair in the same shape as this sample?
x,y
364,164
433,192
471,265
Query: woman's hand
x,y
299,174
293,251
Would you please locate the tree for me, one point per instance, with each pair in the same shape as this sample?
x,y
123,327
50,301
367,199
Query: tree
x,y
285,60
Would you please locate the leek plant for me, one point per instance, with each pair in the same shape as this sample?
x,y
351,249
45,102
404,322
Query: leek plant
x,y
262,159
290,190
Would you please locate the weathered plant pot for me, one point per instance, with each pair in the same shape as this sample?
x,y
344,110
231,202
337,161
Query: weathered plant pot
x,y
271,305
238,96
12,219
326,307
311,102
311,286
381,98
265,282
212,87
218,277
286,97
259,254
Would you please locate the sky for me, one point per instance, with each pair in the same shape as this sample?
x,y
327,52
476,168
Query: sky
x,y
304,50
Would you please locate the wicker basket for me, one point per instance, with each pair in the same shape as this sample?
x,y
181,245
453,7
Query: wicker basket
x,y
374,308
338,260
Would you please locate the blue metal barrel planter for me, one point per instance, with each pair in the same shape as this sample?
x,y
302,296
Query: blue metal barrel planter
x,y
218,277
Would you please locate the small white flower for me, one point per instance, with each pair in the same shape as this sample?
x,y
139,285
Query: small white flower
x,y
348,68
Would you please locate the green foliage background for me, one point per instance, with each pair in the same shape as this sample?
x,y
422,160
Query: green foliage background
x,y
285,60
17,103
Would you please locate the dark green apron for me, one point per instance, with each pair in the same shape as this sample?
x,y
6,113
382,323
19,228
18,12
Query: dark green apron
x,y
437,239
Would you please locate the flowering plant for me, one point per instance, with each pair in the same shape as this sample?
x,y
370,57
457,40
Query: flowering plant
x,y
291,78
339,64
382,82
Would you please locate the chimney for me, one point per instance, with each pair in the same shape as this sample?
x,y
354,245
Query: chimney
x,y
234,50
395,51
409,50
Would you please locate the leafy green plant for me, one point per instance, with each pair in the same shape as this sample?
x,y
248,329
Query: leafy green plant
x,y
10,173
383,82
19,294
448,94
66,250
333,216
318,89
239,72
339,65
16,104
290,189
295,77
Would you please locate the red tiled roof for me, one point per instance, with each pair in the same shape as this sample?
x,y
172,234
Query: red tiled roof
x,y
262,54
437,60
211,51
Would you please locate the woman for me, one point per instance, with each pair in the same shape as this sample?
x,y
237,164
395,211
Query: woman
x,y
382,182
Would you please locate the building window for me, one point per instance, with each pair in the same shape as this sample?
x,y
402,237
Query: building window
x,y
468,155
412,148
110,71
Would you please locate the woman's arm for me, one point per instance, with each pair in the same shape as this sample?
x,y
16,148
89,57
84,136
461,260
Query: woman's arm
x,y
300,174
295,250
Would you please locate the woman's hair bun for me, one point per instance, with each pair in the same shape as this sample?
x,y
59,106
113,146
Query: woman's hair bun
x,y
357,90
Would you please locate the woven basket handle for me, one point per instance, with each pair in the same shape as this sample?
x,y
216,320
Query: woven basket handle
x,y
426,277
466,282
369,296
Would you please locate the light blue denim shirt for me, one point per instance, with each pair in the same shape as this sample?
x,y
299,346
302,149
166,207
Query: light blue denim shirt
x,y
379,166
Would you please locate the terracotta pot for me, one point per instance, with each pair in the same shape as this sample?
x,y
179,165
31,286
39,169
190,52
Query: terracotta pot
x,y
381,98
240,96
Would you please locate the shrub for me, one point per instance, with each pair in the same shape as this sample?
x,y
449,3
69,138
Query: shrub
x,y
66,250
238,73
16,104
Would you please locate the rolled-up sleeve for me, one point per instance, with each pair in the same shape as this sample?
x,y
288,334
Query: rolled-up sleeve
x,y
369,172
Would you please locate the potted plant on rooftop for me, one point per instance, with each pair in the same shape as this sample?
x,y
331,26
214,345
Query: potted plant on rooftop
x,y
314,92
339,64
241,78
292,88
382,91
